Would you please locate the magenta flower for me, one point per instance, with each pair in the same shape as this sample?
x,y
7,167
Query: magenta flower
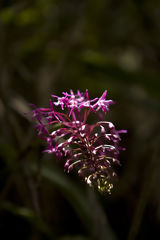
x,y
90,148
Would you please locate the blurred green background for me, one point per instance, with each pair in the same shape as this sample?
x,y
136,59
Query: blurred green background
x,y
50,46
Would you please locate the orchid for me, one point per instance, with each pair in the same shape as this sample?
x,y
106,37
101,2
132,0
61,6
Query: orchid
x,y
92,149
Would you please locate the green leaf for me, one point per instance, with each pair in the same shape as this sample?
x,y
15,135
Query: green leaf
x,y
74,238
80,201
30,216
97,64
71,192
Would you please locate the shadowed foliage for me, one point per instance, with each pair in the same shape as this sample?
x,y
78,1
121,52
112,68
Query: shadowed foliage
x,y
50,46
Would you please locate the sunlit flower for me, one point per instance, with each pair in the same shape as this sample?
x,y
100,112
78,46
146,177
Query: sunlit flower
x,y
92,149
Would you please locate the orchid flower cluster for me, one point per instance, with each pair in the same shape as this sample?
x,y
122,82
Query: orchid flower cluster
x,y
90,148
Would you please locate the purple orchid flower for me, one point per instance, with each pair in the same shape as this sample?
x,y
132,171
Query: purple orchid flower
x,y
90,148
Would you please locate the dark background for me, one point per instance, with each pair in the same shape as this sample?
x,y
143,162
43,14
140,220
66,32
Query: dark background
x,y
50,46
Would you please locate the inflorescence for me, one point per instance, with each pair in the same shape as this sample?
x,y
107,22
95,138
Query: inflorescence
x,y
90,148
